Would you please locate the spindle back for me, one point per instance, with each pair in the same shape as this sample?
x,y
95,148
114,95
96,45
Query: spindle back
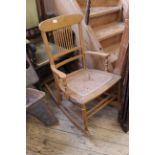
x,y
61,27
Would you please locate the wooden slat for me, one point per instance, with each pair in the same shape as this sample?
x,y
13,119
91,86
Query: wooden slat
x,y
66,52
53,148
56,39
100,11
99,106
67,37
71,36
60,22
61,40
68,60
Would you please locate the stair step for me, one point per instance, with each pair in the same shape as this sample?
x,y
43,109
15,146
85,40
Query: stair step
x,y
100,11
95,3
113,50
109,30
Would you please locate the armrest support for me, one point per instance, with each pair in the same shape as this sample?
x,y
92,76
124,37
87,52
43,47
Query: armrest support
x,y
60,74
97,53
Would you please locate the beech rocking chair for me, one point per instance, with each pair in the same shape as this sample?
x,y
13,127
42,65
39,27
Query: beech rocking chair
x,y
83,85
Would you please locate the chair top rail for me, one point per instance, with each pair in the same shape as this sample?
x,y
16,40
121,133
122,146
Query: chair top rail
x,y
60,22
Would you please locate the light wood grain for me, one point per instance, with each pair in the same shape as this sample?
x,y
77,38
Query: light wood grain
x,y
84,85
100,11
82,142
105,19
65,139
109,30
112,13
107,43
67,61
59,22
96,3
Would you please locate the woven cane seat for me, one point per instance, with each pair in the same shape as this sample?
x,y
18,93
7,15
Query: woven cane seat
x,y
88,83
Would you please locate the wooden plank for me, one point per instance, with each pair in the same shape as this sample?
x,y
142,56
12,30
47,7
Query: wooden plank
x,y
39,145
105,120
106,31
58,22
68,60
96,3
104,129
99,11
95,132
111,41
105,19
81,142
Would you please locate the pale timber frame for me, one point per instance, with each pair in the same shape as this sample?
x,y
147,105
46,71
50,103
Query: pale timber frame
x,y
61,28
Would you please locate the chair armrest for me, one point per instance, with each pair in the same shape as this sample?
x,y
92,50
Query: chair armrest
x,y
60,74
97,53
105,55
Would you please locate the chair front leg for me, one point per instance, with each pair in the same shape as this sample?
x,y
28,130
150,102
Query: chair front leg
x,y
59,96
84,117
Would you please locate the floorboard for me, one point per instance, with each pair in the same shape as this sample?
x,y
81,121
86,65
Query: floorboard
x,y
106,136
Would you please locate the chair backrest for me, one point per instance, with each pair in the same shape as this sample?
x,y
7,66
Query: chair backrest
x,y
61,27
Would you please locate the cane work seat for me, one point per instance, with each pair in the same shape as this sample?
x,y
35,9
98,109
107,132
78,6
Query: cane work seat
x,y
86,84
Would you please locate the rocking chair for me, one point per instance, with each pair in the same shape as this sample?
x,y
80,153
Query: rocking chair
x,y
83,85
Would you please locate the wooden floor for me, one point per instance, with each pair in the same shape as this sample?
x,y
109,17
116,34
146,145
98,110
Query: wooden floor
x,y
107,138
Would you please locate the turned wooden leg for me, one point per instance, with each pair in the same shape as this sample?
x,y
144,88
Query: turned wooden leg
x,y
58,94
84,117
